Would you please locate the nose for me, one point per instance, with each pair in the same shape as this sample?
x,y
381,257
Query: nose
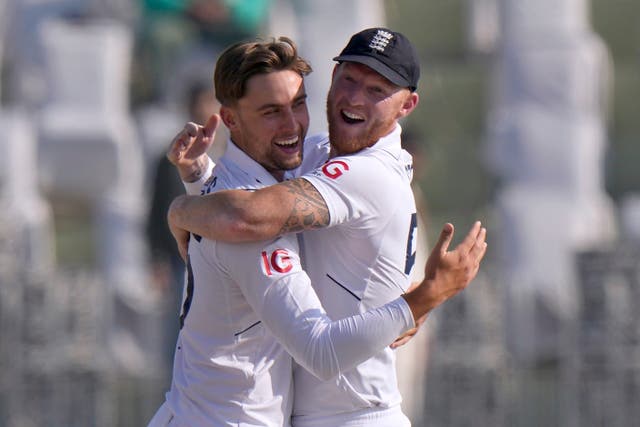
x,y
354,94
289,121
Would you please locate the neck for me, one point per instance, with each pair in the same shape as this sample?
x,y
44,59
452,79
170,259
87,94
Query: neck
x,y
278,175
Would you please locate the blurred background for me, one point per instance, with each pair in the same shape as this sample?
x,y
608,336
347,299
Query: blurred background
x,y
528,120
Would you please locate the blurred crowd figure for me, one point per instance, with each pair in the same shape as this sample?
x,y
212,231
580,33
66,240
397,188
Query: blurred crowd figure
x,y
178,39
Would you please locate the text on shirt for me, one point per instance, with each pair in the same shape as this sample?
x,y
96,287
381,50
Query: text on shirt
x,y
279,260
334,168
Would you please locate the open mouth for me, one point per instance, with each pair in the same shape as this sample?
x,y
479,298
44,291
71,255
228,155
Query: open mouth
x,y
288,144
351,118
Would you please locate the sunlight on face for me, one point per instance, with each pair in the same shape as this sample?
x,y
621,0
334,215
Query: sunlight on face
x,y
363,106
270,121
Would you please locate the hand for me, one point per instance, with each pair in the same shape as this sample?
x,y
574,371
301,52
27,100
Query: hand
x,y
448,272
181,236
188,150
407,336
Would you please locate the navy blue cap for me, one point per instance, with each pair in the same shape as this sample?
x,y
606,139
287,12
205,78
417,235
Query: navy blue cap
x,y
388,52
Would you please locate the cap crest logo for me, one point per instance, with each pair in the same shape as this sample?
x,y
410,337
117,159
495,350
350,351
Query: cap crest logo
x,y
380,40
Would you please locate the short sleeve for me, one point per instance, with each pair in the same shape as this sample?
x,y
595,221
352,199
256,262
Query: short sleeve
x,y
347,185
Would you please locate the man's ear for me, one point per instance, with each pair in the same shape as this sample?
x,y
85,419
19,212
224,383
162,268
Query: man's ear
x,y
409,104
228,117
333,73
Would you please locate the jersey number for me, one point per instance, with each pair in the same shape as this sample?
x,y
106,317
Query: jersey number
x,y
411,246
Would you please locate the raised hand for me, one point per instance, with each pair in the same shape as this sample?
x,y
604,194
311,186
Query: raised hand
x,y
188,149
448,272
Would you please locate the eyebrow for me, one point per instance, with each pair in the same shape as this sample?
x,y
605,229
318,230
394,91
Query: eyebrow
x,y
273,105
381,79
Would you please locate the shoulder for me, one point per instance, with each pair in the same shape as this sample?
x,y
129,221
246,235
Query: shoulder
x,y
316,151
318,140
220,179
365,177
229,177
354,167
280,255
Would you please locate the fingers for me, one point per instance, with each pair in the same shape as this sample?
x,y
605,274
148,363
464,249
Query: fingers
x,y
183,248
470,239
442,245
182,142
404,338
195,134
180,235
192,129
182,240
203,138
211,126
480,246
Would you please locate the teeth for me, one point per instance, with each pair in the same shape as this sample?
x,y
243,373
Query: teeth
x,y
352,116
287,142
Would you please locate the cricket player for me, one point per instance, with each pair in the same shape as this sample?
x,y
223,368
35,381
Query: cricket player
x,y
249,307
360,217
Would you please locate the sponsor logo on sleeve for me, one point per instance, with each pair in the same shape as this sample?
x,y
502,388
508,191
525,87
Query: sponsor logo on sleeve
x,y
209,185
277,261
335,168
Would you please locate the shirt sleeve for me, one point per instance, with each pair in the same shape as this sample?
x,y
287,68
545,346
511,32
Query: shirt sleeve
x,y
195,187
346,184
273,282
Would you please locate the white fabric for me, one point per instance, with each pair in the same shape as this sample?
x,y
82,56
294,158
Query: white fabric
x,y
195,187
378,417
163,417
229,370
361,261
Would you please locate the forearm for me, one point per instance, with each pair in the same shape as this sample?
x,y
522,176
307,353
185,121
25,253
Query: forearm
x,y
246,216
324,347
227,215
360,337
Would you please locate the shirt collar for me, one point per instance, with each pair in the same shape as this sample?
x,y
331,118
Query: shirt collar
x,y
390,143
246,164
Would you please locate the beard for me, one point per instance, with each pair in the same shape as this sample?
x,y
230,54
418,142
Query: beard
x,y
344,143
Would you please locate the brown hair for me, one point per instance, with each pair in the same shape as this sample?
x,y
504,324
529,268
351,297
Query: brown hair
x,y
239,62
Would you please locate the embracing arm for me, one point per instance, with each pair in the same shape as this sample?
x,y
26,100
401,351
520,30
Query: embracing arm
x,y
324,347
291,310
240,216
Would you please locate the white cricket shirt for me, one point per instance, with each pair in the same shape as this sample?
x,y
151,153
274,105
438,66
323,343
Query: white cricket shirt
x,y
362,260
247,307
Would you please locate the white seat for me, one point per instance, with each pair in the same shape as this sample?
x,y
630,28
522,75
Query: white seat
x,y
87,137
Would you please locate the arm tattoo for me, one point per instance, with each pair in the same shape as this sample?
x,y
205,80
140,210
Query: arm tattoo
x,y
309,208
